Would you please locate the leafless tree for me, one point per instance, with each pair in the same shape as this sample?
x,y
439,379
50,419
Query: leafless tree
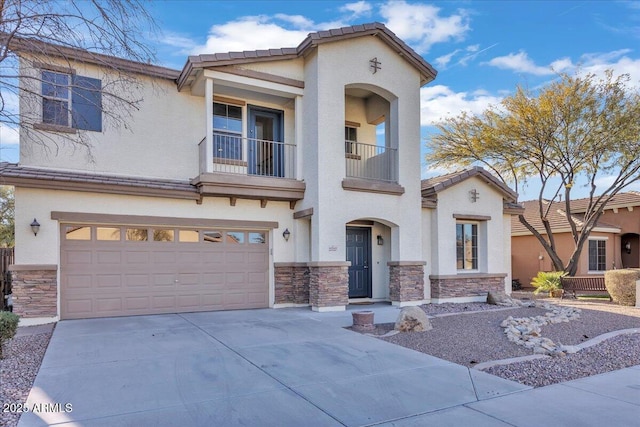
x,y
56,35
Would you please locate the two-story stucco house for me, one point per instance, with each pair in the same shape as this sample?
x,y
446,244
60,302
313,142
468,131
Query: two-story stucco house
x,y
270,178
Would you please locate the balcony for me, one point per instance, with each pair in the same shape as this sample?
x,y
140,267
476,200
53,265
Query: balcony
x,y
371,168
248,168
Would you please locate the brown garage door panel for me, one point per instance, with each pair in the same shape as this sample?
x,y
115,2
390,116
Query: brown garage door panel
x,y
115,278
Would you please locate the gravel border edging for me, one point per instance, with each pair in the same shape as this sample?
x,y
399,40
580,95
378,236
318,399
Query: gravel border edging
x,y
594,341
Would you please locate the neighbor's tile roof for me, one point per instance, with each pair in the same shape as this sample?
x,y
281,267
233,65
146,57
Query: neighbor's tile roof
x,y
557,216
313,39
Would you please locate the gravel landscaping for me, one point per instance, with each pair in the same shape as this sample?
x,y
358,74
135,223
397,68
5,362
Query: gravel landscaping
x,y
468,334
22,358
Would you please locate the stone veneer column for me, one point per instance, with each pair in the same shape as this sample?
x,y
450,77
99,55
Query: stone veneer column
x,y
469,286
35,290
329,285
406,282
291,283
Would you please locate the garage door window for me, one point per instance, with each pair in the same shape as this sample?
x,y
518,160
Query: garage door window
x,y
235,237
78,233
212,236
257,238
188,236
108,233
137,234
163,235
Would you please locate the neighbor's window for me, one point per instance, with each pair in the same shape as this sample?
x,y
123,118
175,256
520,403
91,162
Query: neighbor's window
x,y
467,246
227,131
350,140
597,255
70,100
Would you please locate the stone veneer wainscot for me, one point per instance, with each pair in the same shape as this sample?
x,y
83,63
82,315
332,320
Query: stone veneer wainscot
x,y
406,281
35,290
328,285
291,283
465,285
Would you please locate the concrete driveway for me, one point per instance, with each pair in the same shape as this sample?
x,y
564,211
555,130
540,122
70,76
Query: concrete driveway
x,y
288,367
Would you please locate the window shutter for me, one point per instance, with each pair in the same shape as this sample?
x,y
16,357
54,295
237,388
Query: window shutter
x,y
86,101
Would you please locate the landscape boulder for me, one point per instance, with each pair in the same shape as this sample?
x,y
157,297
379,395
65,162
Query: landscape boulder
x,y
412,319
501,298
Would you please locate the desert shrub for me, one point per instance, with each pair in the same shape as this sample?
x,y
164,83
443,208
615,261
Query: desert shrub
x,y
8,327
621,285
547,281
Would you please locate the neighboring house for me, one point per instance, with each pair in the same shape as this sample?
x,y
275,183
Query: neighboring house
x,y
268,178
613,243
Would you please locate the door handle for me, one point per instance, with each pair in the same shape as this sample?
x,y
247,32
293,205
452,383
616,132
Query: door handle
x,y
366,266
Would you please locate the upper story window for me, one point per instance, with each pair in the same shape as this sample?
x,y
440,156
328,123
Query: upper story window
x,y
71,101
227,128
350,140
597,255
466,246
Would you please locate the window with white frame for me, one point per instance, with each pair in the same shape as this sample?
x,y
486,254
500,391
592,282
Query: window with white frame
x,y
597,255
227,131
350,140
466,245
71,101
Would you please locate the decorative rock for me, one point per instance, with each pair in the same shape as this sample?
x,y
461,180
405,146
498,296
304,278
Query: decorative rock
x,y
501,298
526,331
412,319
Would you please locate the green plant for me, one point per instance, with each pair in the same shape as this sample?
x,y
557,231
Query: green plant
x,y
547,281
8,327
621,285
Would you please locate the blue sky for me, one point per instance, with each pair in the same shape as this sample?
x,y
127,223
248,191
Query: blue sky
x,y
481,49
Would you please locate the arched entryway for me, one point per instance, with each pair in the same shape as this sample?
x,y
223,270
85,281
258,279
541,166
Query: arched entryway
x,y
630,250
368,249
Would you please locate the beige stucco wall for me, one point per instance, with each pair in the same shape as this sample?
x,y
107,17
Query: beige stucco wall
x,y
335,66
493,234
161,138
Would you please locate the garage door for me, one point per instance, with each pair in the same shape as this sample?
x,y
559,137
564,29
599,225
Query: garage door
x,y
109,270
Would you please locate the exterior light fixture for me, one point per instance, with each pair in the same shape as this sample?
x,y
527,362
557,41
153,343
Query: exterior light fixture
x,y
35,227
380,240
286,234
627,246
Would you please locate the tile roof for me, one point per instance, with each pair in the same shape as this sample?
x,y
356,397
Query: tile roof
x,y
557,216
15,174
313,39
430,187
40,48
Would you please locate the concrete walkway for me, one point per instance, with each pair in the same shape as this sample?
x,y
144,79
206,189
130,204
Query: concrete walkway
x,y
289,367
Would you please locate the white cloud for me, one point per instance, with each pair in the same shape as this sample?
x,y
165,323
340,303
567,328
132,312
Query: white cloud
x,y
421,24
443,61
356,9
439,102
241,34
298,21
595,63
521,63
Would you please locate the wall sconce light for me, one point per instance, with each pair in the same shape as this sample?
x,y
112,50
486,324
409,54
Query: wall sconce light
x,y
380,240
286,234
627,246
35,227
